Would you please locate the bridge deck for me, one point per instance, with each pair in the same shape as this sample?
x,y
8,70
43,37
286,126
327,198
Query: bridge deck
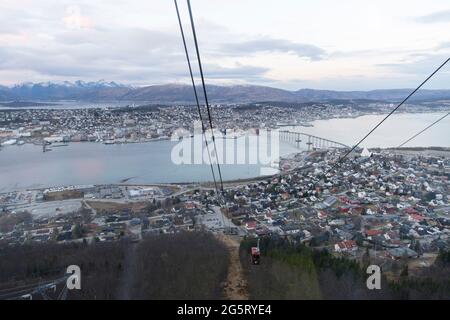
x,y
312,139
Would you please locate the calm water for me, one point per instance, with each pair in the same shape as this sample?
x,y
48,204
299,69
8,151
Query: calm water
x,y
77,105
394,131
95,163
27,166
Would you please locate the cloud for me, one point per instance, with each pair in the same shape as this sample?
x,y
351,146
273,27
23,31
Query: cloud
x,y
443,46
435,17
415,68
251,47
242,72
75,20
138,42
129,55
73,42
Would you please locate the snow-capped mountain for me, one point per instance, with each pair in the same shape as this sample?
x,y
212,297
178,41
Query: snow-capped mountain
x,y
63,90
76,84
98,84
180,93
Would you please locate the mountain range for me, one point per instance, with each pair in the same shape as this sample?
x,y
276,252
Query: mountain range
x,y
180,93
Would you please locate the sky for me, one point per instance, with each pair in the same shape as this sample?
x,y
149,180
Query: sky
x,y
289,44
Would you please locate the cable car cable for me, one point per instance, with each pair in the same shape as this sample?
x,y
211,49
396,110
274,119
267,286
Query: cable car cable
x,y
195,94
423,130
385,118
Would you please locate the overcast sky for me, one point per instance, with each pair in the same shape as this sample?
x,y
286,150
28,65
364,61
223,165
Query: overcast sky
x,y
322,44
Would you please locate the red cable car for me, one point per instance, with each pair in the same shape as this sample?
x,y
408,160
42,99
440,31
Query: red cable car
x,y
255,254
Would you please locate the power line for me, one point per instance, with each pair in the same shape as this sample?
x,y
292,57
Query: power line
x,y
395,109
204,90
422,131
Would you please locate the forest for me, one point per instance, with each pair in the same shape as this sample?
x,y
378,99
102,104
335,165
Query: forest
x,y
173,266
194,265
296,271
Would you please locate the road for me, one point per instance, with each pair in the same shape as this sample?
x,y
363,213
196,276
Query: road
x,y
235,287
126,281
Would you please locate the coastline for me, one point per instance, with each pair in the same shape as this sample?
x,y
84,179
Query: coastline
x,y
428,151
434,150
305,124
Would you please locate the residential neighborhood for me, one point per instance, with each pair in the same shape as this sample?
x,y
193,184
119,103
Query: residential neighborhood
x,y
387,204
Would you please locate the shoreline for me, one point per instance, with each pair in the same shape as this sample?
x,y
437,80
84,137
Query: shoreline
x,y
278,127
429,151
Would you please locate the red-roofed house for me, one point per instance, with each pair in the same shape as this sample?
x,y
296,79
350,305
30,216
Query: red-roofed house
x,y
345,246
189,205
371,233
411,211
322,215
250,225
344,209
415,217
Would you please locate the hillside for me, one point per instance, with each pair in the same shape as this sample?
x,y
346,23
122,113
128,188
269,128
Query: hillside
x,y
298,272
173,266
181,93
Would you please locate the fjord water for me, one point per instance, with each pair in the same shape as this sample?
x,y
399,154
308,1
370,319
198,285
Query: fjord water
x,y
83,163
394,131
27,166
